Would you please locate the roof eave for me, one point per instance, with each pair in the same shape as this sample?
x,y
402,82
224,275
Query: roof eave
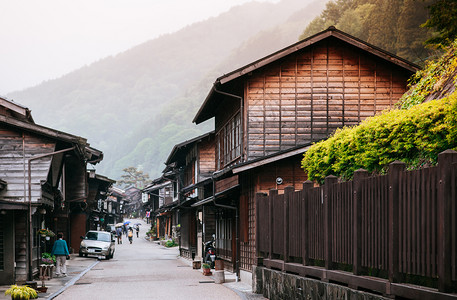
x,y
199,117
202,115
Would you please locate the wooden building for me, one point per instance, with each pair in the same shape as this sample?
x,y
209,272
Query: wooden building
x,y
44,174
191,164
162,195
89,214
114,207
267,112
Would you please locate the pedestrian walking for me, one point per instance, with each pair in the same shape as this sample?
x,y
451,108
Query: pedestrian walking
x,y
60,250
130,234
119,235
137,228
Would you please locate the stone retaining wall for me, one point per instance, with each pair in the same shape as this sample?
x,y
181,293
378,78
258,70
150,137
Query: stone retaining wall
x,y
279,285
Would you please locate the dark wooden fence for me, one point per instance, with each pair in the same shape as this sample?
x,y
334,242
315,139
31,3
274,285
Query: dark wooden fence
x,y
375,233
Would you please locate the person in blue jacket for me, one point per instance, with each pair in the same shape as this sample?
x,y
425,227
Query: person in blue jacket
x,y
60,250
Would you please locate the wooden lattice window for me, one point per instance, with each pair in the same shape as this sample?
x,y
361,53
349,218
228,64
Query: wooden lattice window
x,y
229,141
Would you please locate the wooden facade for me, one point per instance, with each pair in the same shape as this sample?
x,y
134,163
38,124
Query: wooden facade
x,y
280,104
16,150
191,164
307,95
43,170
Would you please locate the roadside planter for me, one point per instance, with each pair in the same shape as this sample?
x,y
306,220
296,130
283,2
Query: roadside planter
x,y
46,233
21,292
206,270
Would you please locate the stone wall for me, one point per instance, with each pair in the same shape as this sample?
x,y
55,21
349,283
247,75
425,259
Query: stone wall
x,y
279,285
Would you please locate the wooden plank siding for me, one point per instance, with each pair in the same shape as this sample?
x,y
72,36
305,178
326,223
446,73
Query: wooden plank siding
x,y
261,180
306,96
206,159
226,183
76,188
16,148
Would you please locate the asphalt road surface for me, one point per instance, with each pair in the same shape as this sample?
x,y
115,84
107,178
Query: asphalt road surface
x,y
145,270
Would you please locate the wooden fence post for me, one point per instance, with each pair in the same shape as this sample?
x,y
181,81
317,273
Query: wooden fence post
x,y
307,185
273,194
395,170
359,175
445,165
328,232
288,194
258,237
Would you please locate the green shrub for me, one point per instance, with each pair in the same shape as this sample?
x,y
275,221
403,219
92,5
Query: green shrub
x,y
415,136
21,292
170,243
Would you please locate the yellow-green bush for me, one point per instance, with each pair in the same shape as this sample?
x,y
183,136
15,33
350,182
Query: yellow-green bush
x,y
414,136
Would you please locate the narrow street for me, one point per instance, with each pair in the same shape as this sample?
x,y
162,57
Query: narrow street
x,y
145,270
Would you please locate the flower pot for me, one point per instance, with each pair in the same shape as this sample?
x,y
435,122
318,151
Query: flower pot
x,y
42,289
207,272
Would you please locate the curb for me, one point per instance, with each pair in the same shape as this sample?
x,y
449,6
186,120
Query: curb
x,y
72,281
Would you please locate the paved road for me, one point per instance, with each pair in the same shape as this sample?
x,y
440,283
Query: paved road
x,y
145,270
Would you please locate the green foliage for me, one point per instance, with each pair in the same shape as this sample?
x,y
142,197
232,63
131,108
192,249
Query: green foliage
x,y
443,19
46,232
415,136
392,25
432,79
48,258
152,231
170,243
21,292
206,266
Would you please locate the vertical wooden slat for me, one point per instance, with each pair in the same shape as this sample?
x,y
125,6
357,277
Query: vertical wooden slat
x,y
378,241
288,194
395,169
271,198
412,214
454,223
384,235
359,175
433,223
404,240
364,224
328,206
371,233
418,222
423,230
428,211
307,185
445,159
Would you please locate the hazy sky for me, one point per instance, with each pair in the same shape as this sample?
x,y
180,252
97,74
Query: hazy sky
x,y
46,39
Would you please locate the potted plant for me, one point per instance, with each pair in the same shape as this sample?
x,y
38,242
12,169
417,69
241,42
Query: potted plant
x,y
47,264
46,233
21,292
206,269
47,258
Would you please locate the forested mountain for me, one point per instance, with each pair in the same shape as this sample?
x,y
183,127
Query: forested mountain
x,y
137,104
393,25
